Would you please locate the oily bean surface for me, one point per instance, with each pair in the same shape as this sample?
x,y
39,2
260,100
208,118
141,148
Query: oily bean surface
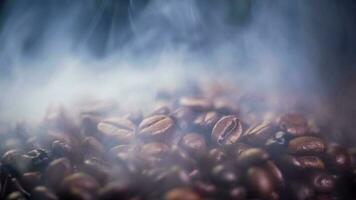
x,y
227,131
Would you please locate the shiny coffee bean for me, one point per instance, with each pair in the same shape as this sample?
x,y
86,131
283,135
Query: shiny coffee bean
x,y
303,162
252,156
156,127
120,130
275,173
206,121
338,158
194,143
260,182
259,133
196,104
43,193
181,194
154,153
322,182
306,145
227,131
301,191
294,124
225,174
16,196
278,143
57,170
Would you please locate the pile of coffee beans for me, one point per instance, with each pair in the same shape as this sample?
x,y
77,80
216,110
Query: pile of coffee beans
x,y
205,145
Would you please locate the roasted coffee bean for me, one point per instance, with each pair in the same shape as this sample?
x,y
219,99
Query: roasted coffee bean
x,y
30,180
156,127
120,130
260,182
16,196
278,143
37,159
194,143
227,130
182,157
116,190
237,193
216,155
62,149
205,189
338,158
301,191
43,193
183,117
57,170
122,152
170,177
195,103
78,183
96,169
154,153
92,147
303,162
259,133
252,156
135,116
306,145
322,182
275,173
161,110
181,194
12,161
294,124
206,121
225,174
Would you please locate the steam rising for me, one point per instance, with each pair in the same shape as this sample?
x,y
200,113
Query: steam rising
x,y
59,53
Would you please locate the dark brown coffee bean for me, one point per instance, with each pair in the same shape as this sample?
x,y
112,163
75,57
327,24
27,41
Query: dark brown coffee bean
x,y
168,178
195,103
294,124
306,145
275,173
252,156
300,191
92,147
322,182
56,171
30,180
259,133
119,129
181,194
206,121
225,174
260,182
96,169
16,196
78,182
237,193
216,155
12,161
194,143
227,130
154,153
62,149
338,158
182,157
156,127
116,190
205,189
43,193
37,159
307,162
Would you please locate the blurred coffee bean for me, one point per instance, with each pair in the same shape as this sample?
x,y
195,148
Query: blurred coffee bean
x,y
196,104
43,193
294,124
96,169
278,143
302,162
225,174
30,180
301,191
225,106
260,182
56,171
92,147
206,121
216,155
156,127
154,153
78,183
161,110
16,196
37,159
252,156
338,158
259,133
181,194
135,116
306,145
116,190
237,193
322,182
183,117
122,152
12,161
62,149
205,189
181,157
275,173
194,143
227,130
170,177
117,130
